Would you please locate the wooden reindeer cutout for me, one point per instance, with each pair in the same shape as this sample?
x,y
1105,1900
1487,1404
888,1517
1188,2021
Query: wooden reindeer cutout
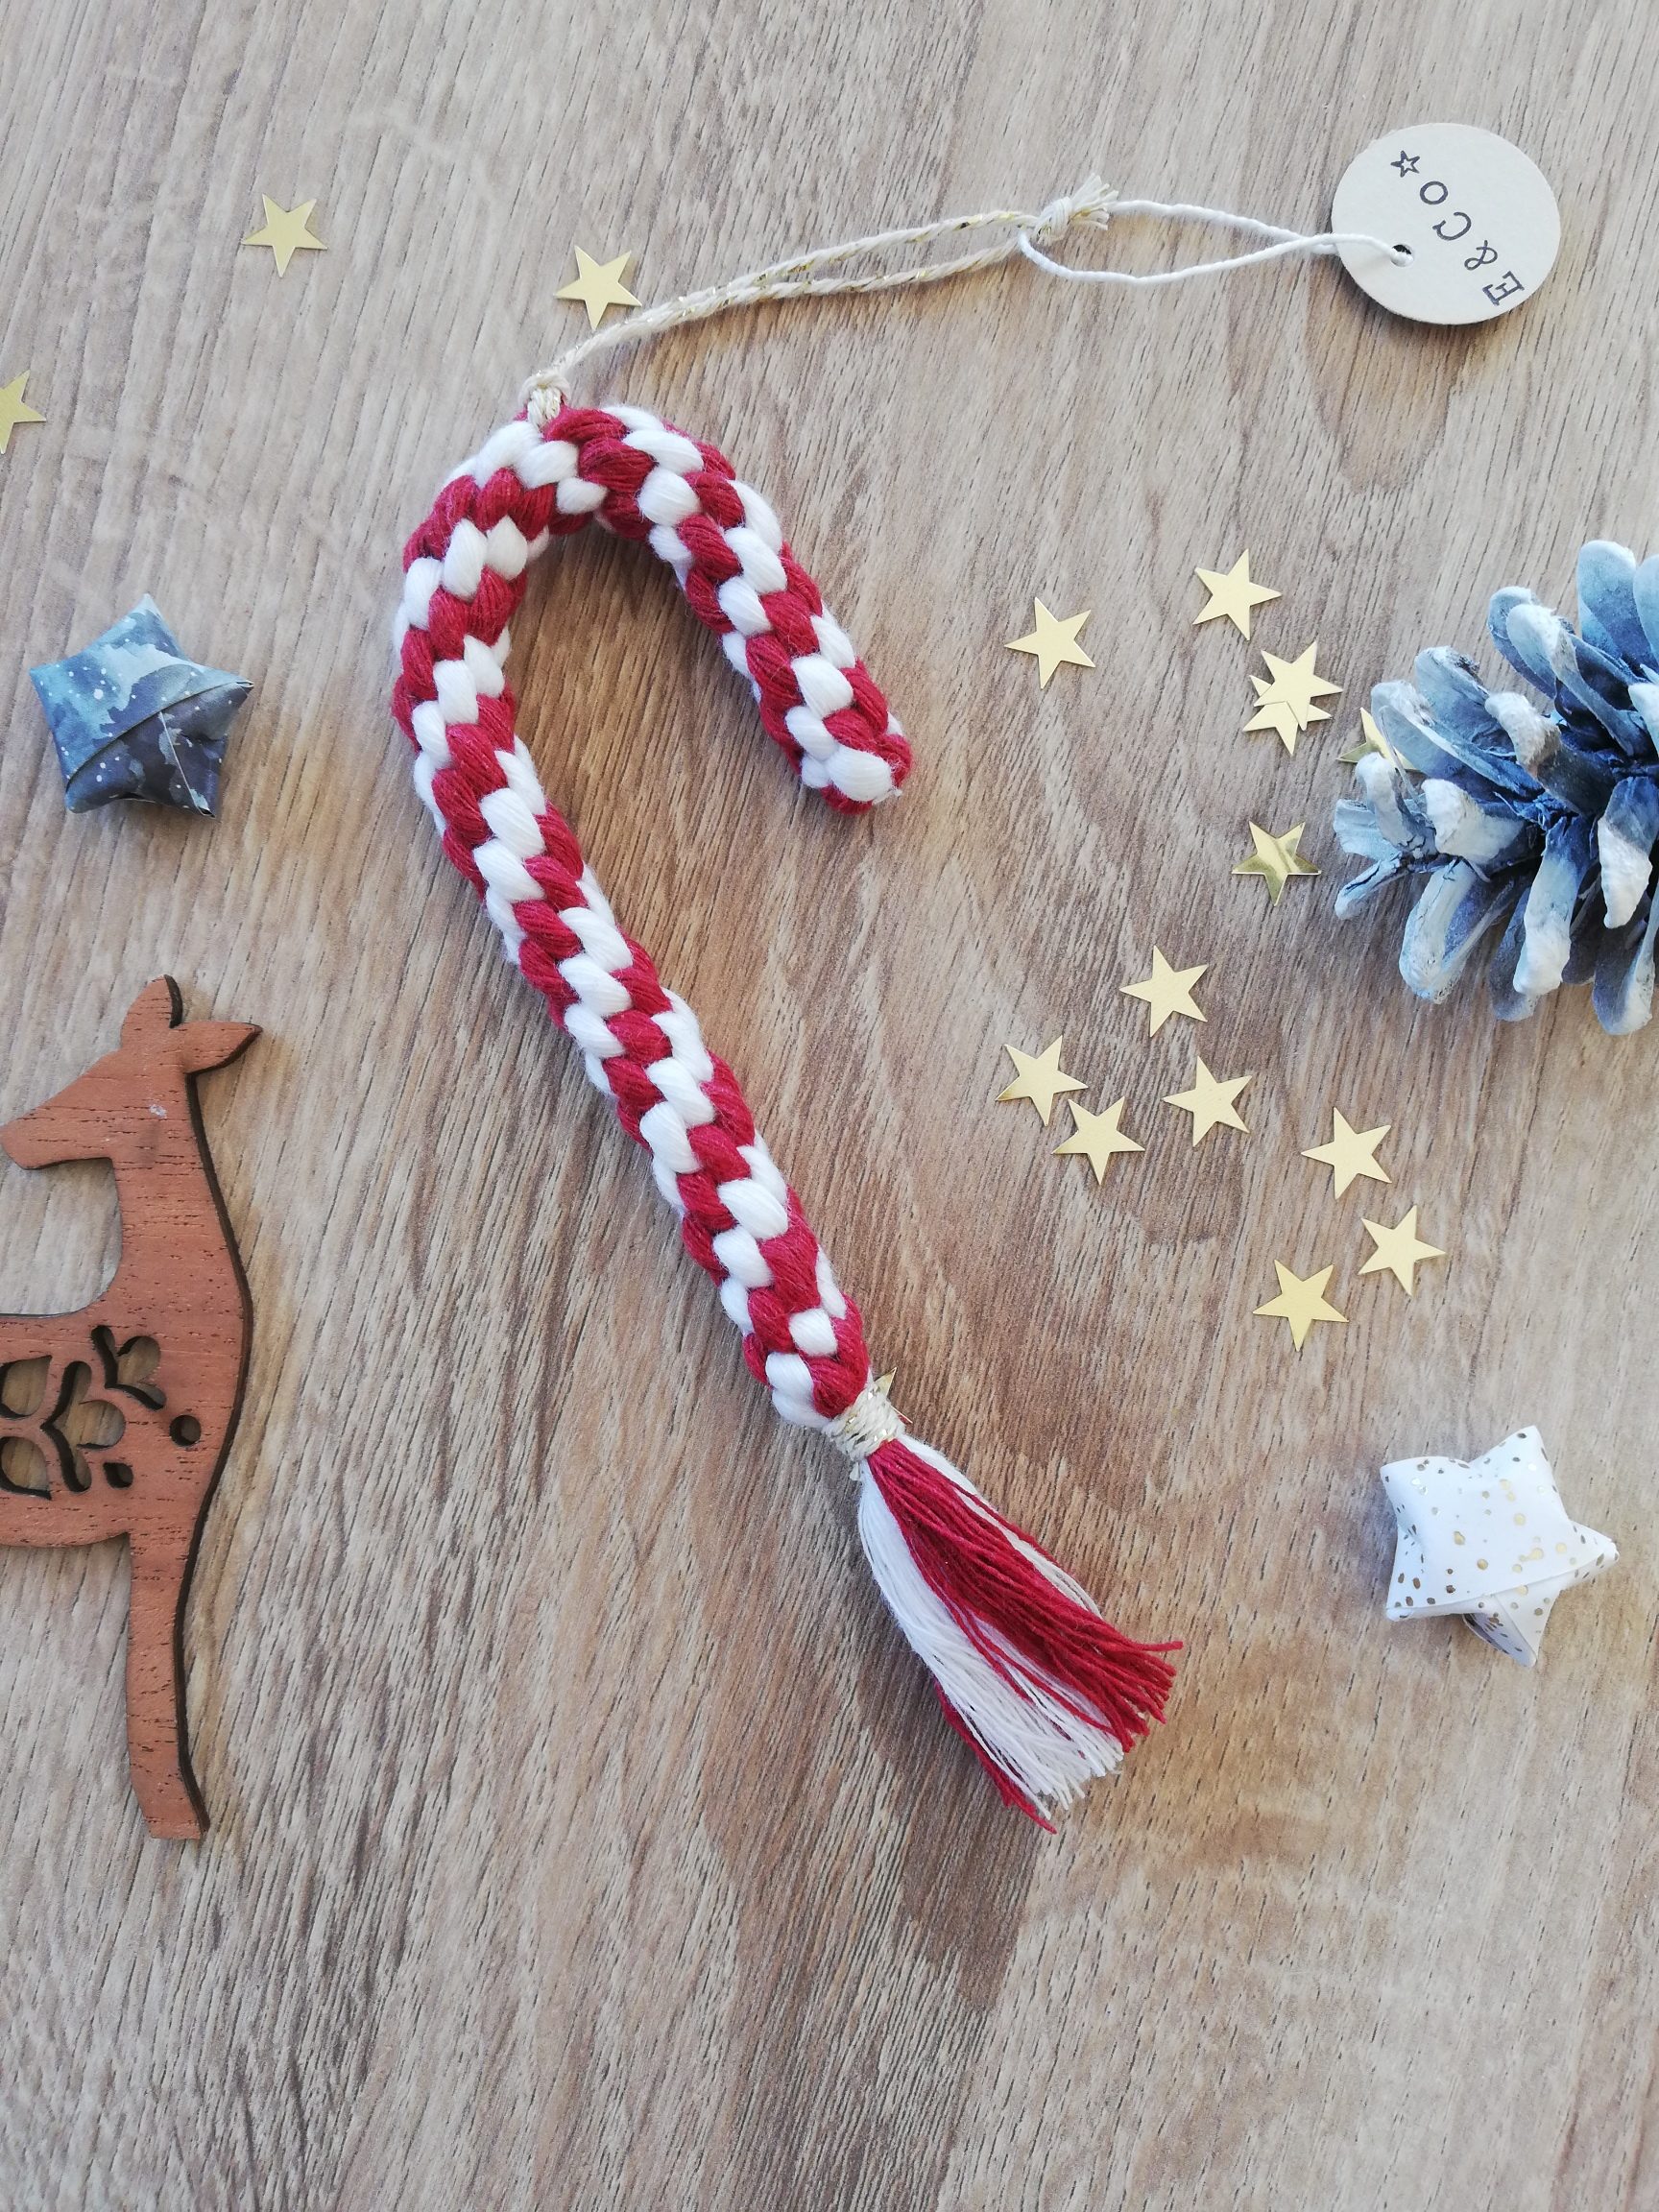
x,y
116,1421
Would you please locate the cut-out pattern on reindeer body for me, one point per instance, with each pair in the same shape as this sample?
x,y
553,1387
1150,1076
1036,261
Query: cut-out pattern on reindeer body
x,y
77,1424
60,1425
116,1421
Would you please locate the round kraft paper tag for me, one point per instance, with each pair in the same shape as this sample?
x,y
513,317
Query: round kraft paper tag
x,y
1474,219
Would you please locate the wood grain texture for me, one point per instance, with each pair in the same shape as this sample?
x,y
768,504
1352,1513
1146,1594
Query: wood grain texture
x,y
582,1837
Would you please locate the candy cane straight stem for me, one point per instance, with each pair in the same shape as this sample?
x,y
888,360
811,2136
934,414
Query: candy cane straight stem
x,y
1047,1691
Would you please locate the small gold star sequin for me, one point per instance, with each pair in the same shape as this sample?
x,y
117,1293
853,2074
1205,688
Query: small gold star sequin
x,y
1039,1078
1097,1137
1301,1301
598,285
1296,684
1209,1101
1401,1251
1167,991
1350,1152
1053,640
1370,740
1232,595
1276,859
1274,715
14,409
287,232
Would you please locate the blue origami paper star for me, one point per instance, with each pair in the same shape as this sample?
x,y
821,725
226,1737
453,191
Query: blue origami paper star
x,y
132,718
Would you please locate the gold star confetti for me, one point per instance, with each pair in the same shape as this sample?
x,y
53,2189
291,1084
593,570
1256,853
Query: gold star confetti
x,y
1276,859
1167,991
1294,683
1209,1101
14,408
1232,595
1097,1137
1053,640
1041,1078
1400,1250
287,232
1277,715
1301,1301
598,285
1370,740
1350,1152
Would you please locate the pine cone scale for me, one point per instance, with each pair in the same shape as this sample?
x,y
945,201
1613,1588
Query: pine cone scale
x,y
1531,824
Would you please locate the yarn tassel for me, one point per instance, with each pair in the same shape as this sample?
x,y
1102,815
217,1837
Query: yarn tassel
x,y
1046,1692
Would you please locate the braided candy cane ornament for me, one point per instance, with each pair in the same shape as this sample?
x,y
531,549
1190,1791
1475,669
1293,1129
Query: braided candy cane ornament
x,y
1047,1693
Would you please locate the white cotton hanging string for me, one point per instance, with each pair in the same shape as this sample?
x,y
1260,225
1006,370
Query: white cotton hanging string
x,y
1286,245
1092,207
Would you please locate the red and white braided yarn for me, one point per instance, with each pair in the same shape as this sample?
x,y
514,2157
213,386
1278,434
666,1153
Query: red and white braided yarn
x,y
1046,1692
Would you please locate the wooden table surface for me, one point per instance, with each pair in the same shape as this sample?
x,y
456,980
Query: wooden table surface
x,y
582,1836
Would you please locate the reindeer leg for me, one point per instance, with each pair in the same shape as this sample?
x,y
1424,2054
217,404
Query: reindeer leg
x,y
157,1747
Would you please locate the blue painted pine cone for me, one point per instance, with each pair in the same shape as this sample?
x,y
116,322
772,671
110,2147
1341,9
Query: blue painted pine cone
x,y
1528,823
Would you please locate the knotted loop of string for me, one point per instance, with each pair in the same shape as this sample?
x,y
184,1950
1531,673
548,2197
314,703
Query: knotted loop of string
x,y
821,272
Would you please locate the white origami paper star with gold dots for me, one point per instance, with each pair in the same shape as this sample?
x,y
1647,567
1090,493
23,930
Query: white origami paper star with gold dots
x,y
1490,1539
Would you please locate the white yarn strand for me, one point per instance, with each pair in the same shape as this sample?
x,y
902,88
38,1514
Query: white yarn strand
x,y
1092,207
